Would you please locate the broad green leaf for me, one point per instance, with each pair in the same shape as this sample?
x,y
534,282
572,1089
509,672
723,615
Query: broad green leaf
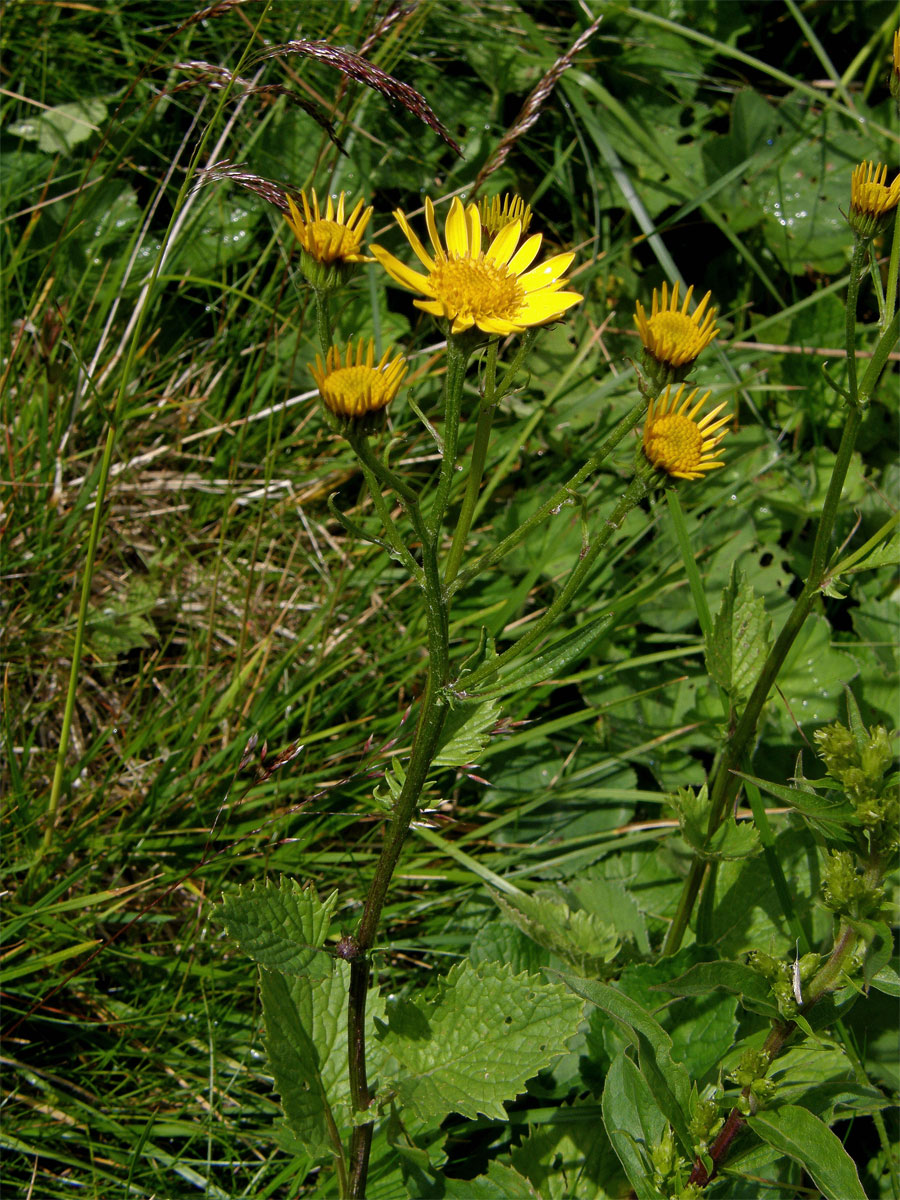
x,y
668,1080
803,1137
887,980
633,1123
500,1183
59,129
281,926
579,937
611,900
306,1040
477,1042
740,638
830,816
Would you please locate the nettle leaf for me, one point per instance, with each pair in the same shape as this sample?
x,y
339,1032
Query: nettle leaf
x,y
466,733
500,1183
797,1133
669,1081
830,816
740,638
280,926
306,1040
476,1044
732,840
579,937
634,1124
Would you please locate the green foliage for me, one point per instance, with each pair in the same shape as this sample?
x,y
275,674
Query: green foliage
x,y
225,602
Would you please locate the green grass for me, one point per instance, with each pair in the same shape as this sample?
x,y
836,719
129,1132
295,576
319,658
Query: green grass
x,y
712,140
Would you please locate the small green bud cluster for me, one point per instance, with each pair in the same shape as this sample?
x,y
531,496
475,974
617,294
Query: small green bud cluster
x,y
706,1121
670,1168
750,1073
847,891
785,978
858,763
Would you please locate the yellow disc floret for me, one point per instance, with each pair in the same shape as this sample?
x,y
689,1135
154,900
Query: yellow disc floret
x,y
357,386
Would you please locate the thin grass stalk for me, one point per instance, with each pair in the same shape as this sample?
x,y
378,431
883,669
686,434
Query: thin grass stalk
x,y
53,803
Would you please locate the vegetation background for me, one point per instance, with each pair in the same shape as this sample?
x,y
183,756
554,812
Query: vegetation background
x,y
225,602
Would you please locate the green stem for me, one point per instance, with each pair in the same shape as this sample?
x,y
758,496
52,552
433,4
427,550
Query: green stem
x,y
396,544
890,298
561,496
429,726
725,783
698,595
457,359
476,466
323,320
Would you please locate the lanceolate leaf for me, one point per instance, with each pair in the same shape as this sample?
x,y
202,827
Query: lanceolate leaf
x,y
735,977
796,1132
478,1042
579,937
634,1124
669,1081
740,638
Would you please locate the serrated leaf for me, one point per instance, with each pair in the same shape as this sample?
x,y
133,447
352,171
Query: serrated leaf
x,y
500,1183
633,1123
668,1081
281,925
830,817
477,1043
466,733
732,840
579,937
306,1040
740,638
803,1137
611,899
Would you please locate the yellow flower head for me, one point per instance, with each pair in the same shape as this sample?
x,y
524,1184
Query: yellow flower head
x,y
492,289
676,442
356,387
331,242
871,200
496,213
671,338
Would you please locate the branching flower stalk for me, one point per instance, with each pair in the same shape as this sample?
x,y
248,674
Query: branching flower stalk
x,y
725,783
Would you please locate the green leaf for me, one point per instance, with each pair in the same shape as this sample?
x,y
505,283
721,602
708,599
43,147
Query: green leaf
x,y
668,1081
574,1135
803,1137
281,926
59,129
633,1123
306,1040
740,638
734,977
500,1183
830,817
478,1042
732,840
466,733
887,980
579,937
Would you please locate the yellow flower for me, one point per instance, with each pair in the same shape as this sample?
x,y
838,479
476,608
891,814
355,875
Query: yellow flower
x,y
330,243
492,289
871,200
355,387
676,442
495,213
672,338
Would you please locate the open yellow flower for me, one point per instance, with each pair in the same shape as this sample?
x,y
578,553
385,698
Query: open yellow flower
x,y
671,337
356,387
871,200
492,289
676,442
